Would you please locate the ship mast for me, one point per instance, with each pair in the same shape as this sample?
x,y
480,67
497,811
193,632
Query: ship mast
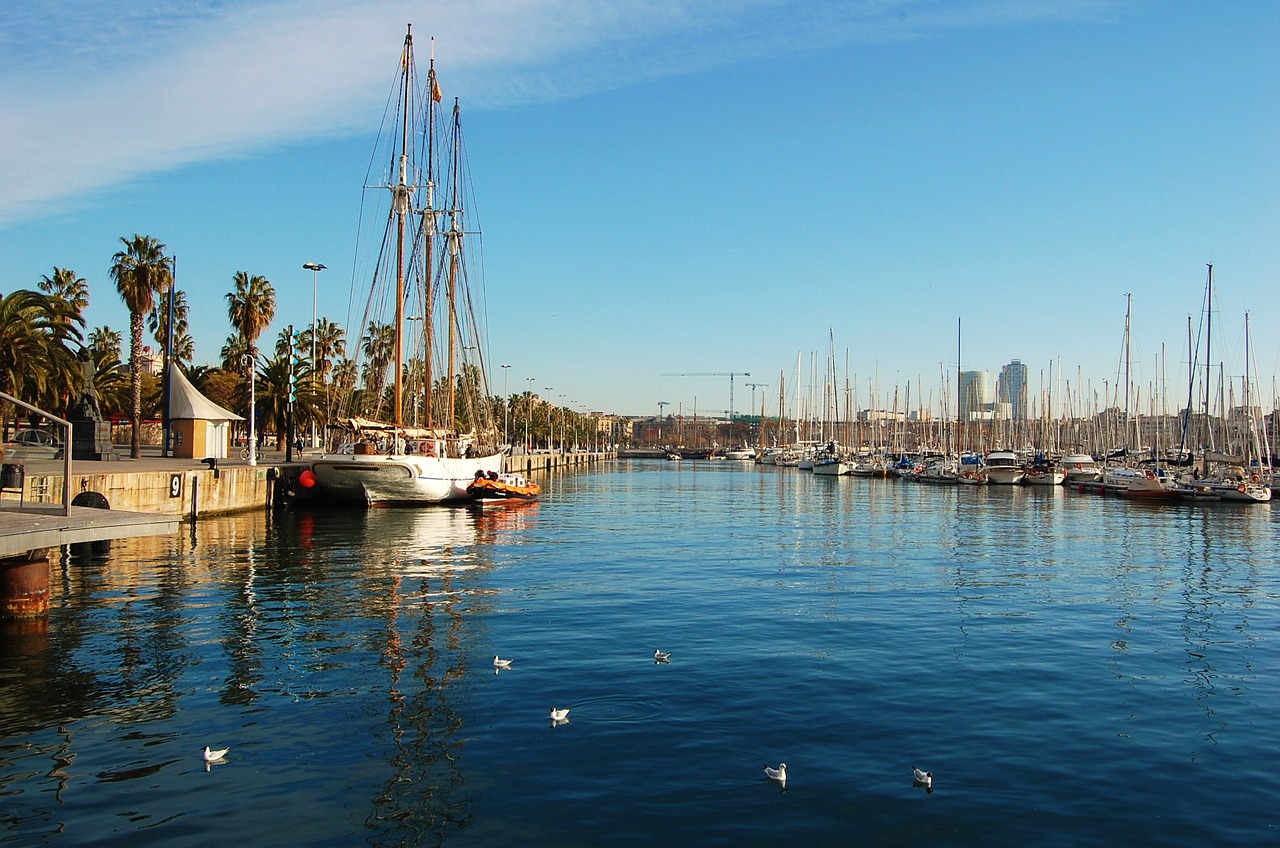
x,y
429,224
402,205
455,248
1208,376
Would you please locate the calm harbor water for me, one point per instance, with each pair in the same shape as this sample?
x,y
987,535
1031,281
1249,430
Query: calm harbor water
x,y
1074,670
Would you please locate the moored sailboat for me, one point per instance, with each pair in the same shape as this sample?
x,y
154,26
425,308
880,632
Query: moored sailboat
x,y
385,462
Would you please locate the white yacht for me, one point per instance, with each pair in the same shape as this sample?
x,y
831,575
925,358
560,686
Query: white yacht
x,y
1003,468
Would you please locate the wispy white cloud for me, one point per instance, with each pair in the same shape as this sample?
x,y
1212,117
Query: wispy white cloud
x,y
93,95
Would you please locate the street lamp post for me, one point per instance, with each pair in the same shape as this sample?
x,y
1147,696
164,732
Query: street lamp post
x,y
168,361
315,268
253,433
506,405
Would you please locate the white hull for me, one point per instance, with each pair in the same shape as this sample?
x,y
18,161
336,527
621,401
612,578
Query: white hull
x,y
1150,485
830,468
1246,492
1004,469
1080,468
399,479
1051,477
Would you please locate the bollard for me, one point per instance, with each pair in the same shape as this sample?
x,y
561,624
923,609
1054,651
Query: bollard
x,y
24,585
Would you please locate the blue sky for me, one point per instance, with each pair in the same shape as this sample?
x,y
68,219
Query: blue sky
x,y
676,186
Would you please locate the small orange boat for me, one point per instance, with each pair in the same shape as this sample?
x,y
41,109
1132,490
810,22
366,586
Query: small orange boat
x,y
502,487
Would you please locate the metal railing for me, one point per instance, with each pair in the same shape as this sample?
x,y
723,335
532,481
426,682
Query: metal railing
x,y
66,447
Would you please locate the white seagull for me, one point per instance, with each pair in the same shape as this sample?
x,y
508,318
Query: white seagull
x,y
211,756
779,774
922,778
559,715
661,656
497,663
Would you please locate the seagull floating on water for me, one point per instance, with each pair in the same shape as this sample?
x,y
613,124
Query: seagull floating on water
x,y
211,756
497,663
559,715
779,774
661,656
922,778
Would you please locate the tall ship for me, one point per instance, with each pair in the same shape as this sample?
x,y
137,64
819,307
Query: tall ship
x,y
425,437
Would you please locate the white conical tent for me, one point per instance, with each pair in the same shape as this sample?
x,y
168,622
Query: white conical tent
x,y
201,427
187,402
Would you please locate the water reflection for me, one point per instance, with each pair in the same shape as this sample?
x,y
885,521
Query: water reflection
x,y
260,613
345,658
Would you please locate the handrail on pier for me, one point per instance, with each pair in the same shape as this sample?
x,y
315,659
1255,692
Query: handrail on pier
x,y
66,447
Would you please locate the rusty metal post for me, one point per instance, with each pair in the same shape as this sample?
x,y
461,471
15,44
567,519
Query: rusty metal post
x,y
24,585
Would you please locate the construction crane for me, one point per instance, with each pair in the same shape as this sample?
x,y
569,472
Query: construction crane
x,y
729,374
755,386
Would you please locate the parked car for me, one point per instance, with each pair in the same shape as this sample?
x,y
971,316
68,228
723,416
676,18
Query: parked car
x,y
32,444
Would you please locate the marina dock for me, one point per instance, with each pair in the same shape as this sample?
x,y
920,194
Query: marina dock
x,y
31,528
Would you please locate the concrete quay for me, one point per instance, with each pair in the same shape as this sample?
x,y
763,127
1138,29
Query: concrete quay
x,y
187,488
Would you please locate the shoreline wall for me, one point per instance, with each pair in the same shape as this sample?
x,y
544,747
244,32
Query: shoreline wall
x,y
190,492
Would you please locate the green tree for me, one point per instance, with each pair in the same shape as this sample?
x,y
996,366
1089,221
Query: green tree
x,y
111,376
158,323
140,272
251,305
37,333
223,386
234,354
330,345
379,346
66,285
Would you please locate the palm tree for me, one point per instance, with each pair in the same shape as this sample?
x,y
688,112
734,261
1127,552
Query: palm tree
x,y
140,272
37,331
273,399
158,323
330,343
65,284
379,349
111,376
251,305
233,354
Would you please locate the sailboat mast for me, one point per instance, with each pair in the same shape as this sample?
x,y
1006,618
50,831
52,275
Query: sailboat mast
x,y
1128,310
429,226
959,389
455,247
1208,377
402,210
